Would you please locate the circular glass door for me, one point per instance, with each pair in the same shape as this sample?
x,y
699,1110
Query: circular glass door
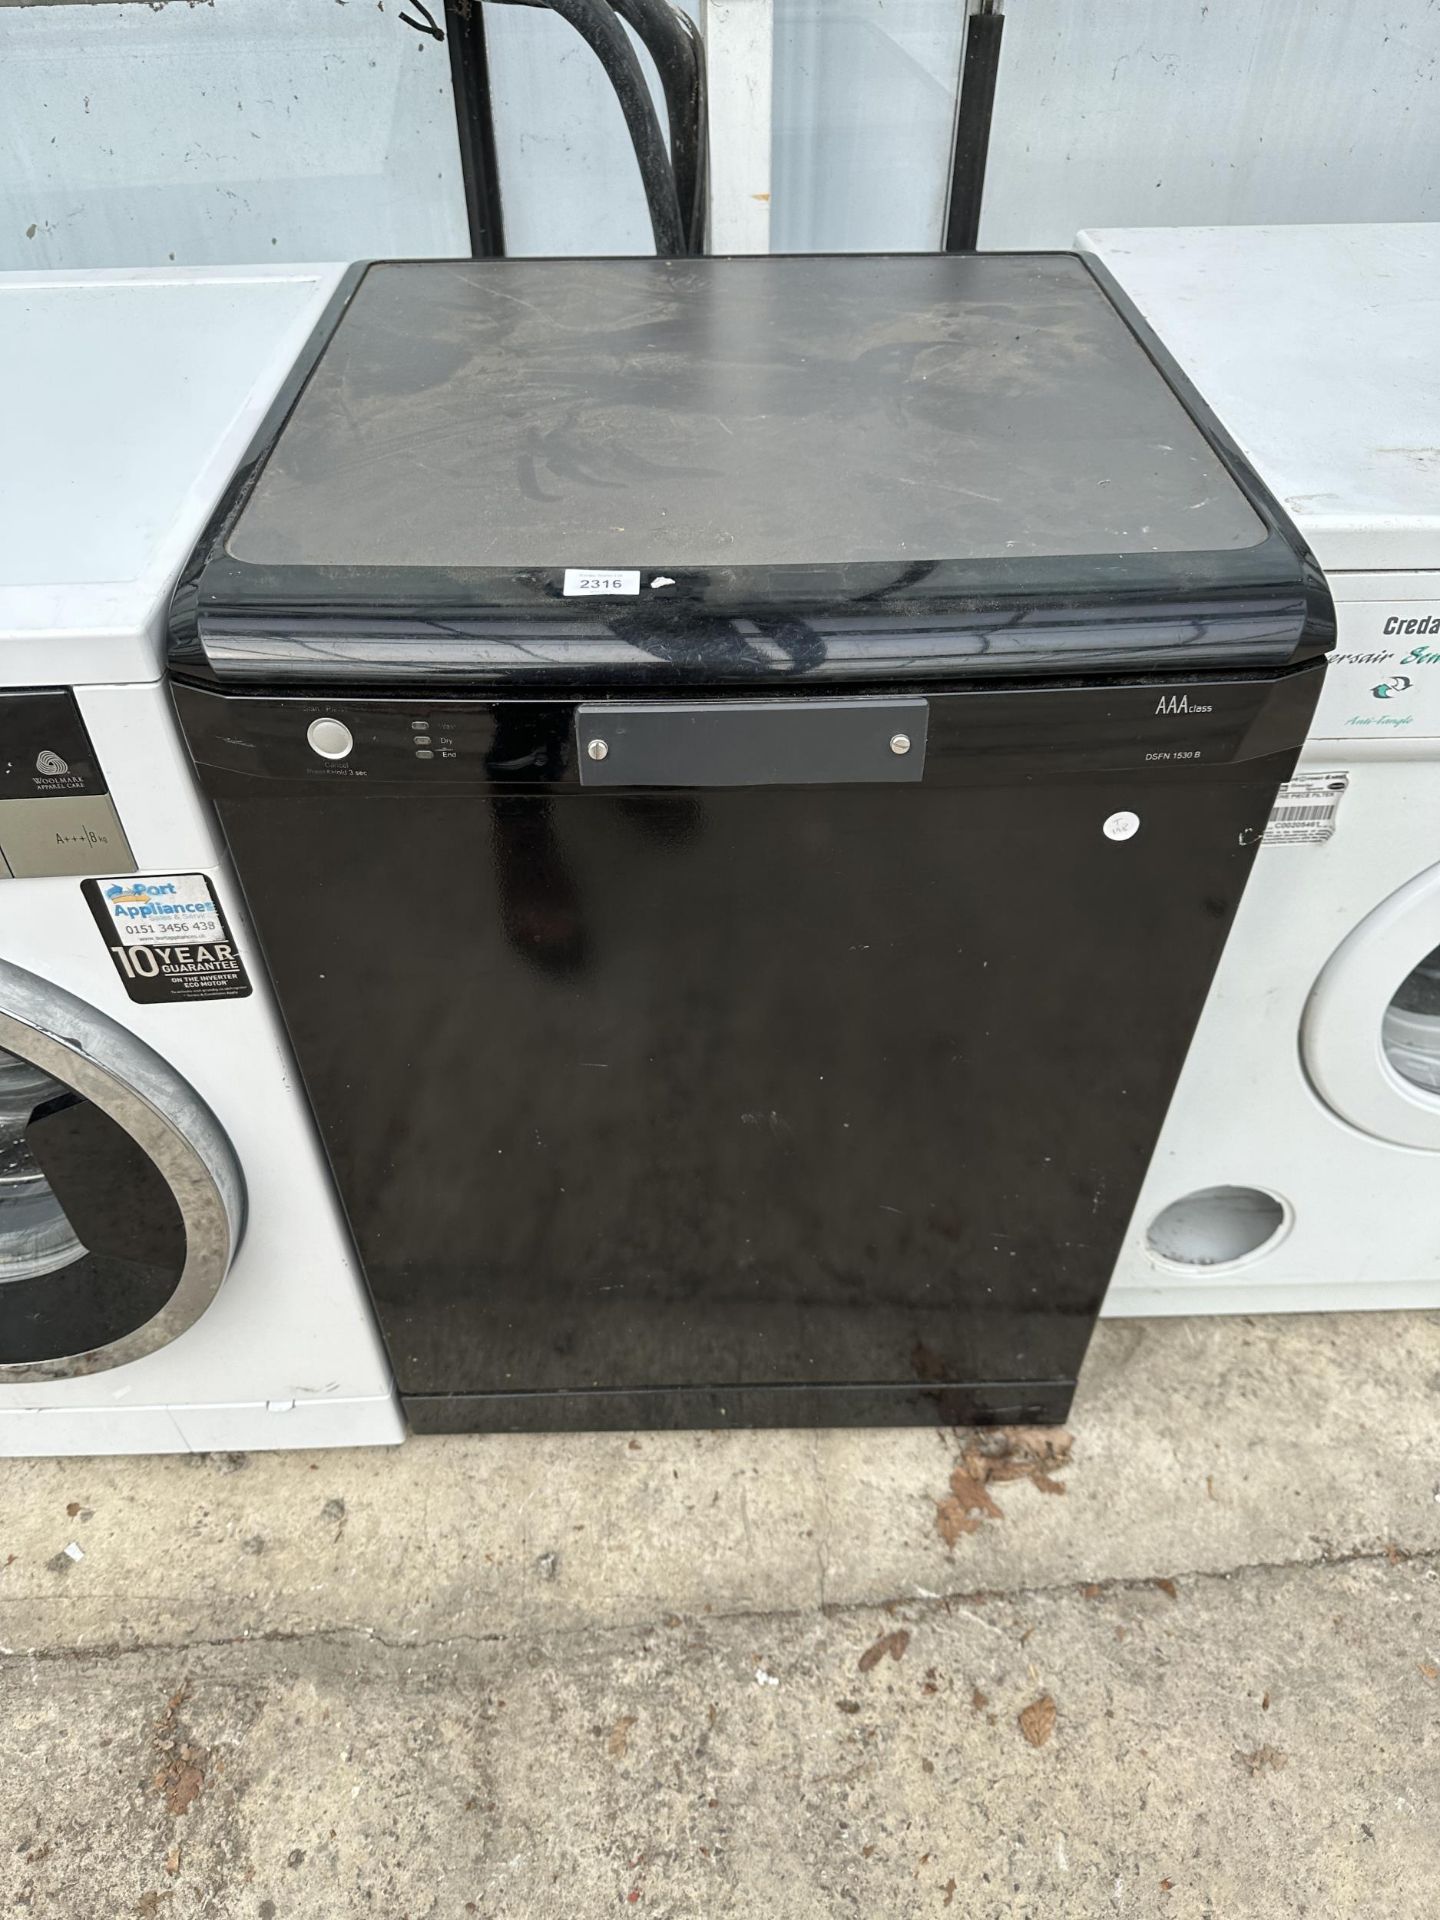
x,y
36,1234
1371,1033
120,1198
1410,1031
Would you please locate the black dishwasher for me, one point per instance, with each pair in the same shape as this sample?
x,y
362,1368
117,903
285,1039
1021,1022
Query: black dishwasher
x,y
743,770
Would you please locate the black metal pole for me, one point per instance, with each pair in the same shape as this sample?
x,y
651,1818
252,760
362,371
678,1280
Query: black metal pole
x,y
674,44
599,27
980,63
470,79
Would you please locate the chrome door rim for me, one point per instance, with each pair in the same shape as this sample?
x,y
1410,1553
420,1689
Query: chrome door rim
x,y
1342,1028
170,1123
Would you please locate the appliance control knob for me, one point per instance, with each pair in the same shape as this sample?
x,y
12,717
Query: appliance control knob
x,y
331,739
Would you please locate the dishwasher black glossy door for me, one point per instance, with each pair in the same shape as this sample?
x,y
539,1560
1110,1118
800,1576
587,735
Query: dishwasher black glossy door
x,y
781,1103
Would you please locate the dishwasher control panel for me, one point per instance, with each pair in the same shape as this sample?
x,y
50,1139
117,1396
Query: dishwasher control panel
x,y
1172,728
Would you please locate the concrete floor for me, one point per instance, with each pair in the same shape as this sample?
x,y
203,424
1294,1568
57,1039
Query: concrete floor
x,y
671,1674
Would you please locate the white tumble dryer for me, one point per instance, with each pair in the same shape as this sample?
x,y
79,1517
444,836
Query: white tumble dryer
x,y
175,1272
1299,1166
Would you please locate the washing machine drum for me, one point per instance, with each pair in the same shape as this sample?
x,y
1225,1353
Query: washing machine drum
x,y
121,1201
1371,1036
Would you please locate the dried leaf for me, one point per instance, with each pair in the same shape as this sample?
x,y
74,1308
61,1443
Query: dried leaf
x,y
1168,1588
172,1859
1430,1670
995,1469
993,1458
1261,1758
1037,1721
618,1745
182,1784
951,1520
979,1701
1018,1453
1024,1447
949,1891
892,1643
971,1496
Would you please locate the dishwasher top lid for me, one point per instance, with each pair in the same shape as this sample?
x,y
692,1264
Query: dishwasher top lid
x,y
885,468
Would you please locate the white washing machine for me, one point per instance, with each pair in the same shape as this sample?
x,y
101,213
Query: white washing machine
x,y
1299,1166
175,1272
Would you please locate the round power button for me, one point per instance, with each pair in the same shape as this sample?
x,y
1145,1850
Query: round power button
x,y
331,739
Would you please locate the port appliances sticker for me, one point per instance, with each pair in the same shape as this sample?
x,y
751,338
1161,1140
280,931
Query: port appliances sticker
x,y
168,937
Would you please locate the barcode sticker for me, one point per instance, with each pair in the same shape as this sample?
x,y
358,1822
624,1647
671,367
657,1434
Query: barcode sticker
x,y
1305,809
602,580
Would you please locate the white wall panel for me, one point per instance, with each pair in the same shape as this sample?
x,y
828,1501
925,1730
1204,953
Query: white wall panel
x,y
864,118
1107,113
249,130
1115,113
739,39
303,129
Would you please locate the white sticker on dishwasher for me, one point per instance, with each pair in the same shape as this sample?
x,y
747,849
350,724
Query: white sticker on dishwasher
x,y
1305,810
603,580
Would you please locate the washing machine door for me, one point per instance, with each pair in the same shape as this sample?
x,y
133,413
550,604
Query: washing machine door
x,y
1371,1031
121,1201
